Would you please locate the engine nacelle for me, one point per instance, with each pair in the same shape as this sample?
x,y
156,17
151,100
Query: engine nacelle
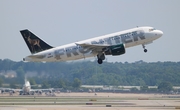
x,y
116,50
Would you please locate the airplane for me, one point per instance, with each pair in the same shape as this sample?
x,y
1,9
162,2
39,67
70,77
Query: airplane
x,y
26,89
112,44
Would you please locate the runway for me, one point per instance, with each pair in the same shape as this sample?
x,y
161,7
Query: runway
x,y
90,101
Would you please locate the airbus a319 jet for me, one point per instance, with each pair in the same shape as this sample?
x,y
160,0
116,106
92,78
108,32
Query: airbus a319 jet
x,y
112,44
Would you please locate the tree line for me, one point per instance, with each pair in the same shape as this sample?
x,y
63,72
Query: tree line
x,y
73,74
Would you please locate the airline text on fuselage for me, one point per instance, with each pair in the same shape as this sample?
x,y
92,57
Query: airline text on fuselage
x,y
118,39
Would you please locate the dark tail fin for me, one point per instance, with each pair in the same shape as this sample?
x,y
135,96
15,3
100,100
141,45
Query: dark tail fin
x,y
34,43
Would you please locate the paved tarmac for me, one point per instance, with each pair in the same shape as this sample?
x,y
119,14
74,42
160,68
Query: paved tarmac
x,y
89,101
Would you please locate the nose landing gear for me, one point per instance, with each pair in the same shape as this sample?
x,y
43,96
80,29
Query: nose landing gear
x,y
145,50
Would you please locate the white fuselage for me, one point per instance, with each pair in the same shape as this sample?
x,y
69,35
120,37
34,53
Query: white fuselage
x,y
26,88
73,51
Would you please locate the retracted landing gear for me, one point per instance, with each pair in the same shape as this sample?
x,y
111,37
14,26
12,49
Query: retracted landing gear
x,y
100,57
145,50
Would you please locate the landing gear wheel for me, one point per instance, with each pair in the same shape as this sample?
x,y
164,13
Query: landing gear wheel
x,y
145,50
100,61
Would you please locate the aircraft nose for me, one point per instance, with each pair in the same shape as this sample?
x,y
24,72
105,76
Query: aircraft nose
x,y
159,33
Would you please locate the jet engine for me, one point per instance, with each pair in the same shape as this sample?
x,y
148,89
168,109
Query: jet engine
x,y
115,50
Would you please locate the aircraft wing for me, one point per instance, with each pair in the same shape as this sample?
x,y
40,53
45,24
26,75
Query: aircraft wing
x,y
96,48
84,45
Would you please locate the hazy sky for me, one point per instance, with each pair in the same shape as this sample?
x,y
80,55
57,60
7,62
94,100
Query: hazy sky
x,y
59,22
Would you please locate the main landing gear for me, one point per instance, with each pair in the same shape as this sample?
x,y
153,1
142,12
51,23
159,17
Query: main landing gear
x,y
100,61
100,57
145,50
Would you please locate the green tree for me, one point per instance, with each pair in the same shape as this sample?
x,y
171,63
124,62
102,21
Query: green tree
x,y
127,74
32,81
20,74
13,85
1,81
61,84
165,86
76,83
45,85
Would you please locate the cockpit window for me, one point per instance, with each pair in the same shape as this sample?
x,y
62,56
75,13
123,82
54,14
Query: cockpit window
x,y
152,29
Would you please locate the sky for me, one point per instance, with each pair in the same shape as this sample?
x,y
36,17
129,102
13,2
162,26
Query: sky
x,y
60,22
